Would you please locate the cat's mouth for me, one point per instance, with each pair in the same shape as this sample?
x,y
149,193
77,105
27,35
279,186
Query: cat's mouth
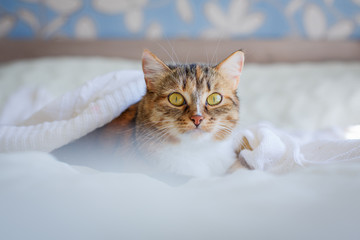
x,y
196,132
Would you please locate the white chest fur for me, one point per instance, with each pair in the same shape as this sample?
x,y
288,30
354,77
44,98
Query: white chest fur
x,y
200,157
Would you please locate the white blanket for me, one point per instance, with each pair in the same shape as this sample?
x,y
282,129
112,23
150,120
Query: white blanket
x,y
42,198
97,102
69,117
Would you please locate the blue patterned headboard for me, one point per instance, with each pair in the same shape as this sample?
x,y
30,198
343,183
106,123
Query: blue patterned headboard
x,y
149,19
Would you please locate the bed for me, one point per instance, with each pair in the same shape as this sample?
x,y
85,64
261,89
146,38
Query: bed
x,y
304,117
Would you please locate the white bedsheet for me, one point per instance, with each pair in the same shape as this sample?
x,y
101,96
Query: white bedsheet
x,y
41,198
315,197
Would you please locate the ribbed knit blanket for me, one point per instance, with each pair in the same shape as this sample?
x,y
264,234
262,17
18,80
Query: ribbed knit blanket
x,y
69,117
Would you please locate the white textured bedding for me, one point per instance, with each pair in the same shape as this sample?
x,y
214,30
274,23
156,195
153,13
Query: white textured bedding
x,y
47,199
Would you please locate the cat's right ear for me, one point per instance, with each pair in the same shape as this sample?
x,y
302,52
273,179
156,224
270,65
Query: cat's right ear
x,y
153,68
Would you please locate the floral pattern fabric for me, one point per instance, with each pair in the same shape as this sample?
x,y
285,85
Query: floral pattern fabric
x,y
154,19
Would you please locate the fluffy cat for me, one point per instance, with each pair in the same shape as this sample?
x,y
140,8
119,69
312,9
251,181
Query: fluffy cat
x,y
183,124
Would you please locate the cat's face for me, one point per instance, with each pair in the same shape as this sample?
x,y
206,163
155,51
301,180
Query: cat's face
x,y
191,99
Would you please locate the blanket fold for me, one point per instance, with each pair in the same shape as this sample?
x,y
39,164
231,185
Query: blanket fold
x,y
74,114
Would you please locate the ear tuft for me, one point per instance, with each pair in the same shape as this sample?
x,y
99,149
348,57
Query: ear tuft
x,y
153,68
231,67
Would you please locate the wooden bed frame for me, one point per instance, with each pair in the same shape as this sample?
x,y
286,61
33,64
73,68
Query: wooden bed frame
x,y
260,51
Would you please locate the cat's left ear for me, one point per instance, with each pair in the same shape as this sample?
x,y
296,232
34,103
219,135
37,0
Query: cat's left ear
x,y
231,68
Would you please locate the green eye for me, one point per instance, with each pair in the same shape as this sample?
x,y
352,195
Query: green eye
x,y
214,99
176,99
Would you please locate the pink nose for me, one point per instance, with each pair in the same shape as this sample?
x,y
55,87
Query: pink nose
x,y
197,119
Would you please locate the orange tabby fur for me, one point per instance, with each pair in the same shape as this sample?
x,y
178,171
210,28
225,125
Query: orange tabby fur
x,y
146,125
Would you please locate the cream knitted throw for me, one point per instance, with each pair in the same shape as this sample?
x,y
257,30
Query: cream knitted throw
x,y
73,115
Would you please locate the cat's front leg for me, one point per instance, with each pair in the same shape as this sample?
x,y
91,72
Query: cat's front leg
x,y
240,161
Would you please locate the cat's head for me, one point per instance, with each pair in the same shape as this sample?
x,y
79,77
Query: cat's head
x,y
191,99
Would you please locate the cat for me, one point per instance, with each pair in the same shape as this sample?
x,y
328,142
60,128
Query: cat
x,y
183,124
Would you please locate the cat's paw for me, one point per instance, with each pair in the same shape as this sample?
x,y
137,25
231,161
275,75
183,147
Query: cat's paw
x,y
234,167
240,161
